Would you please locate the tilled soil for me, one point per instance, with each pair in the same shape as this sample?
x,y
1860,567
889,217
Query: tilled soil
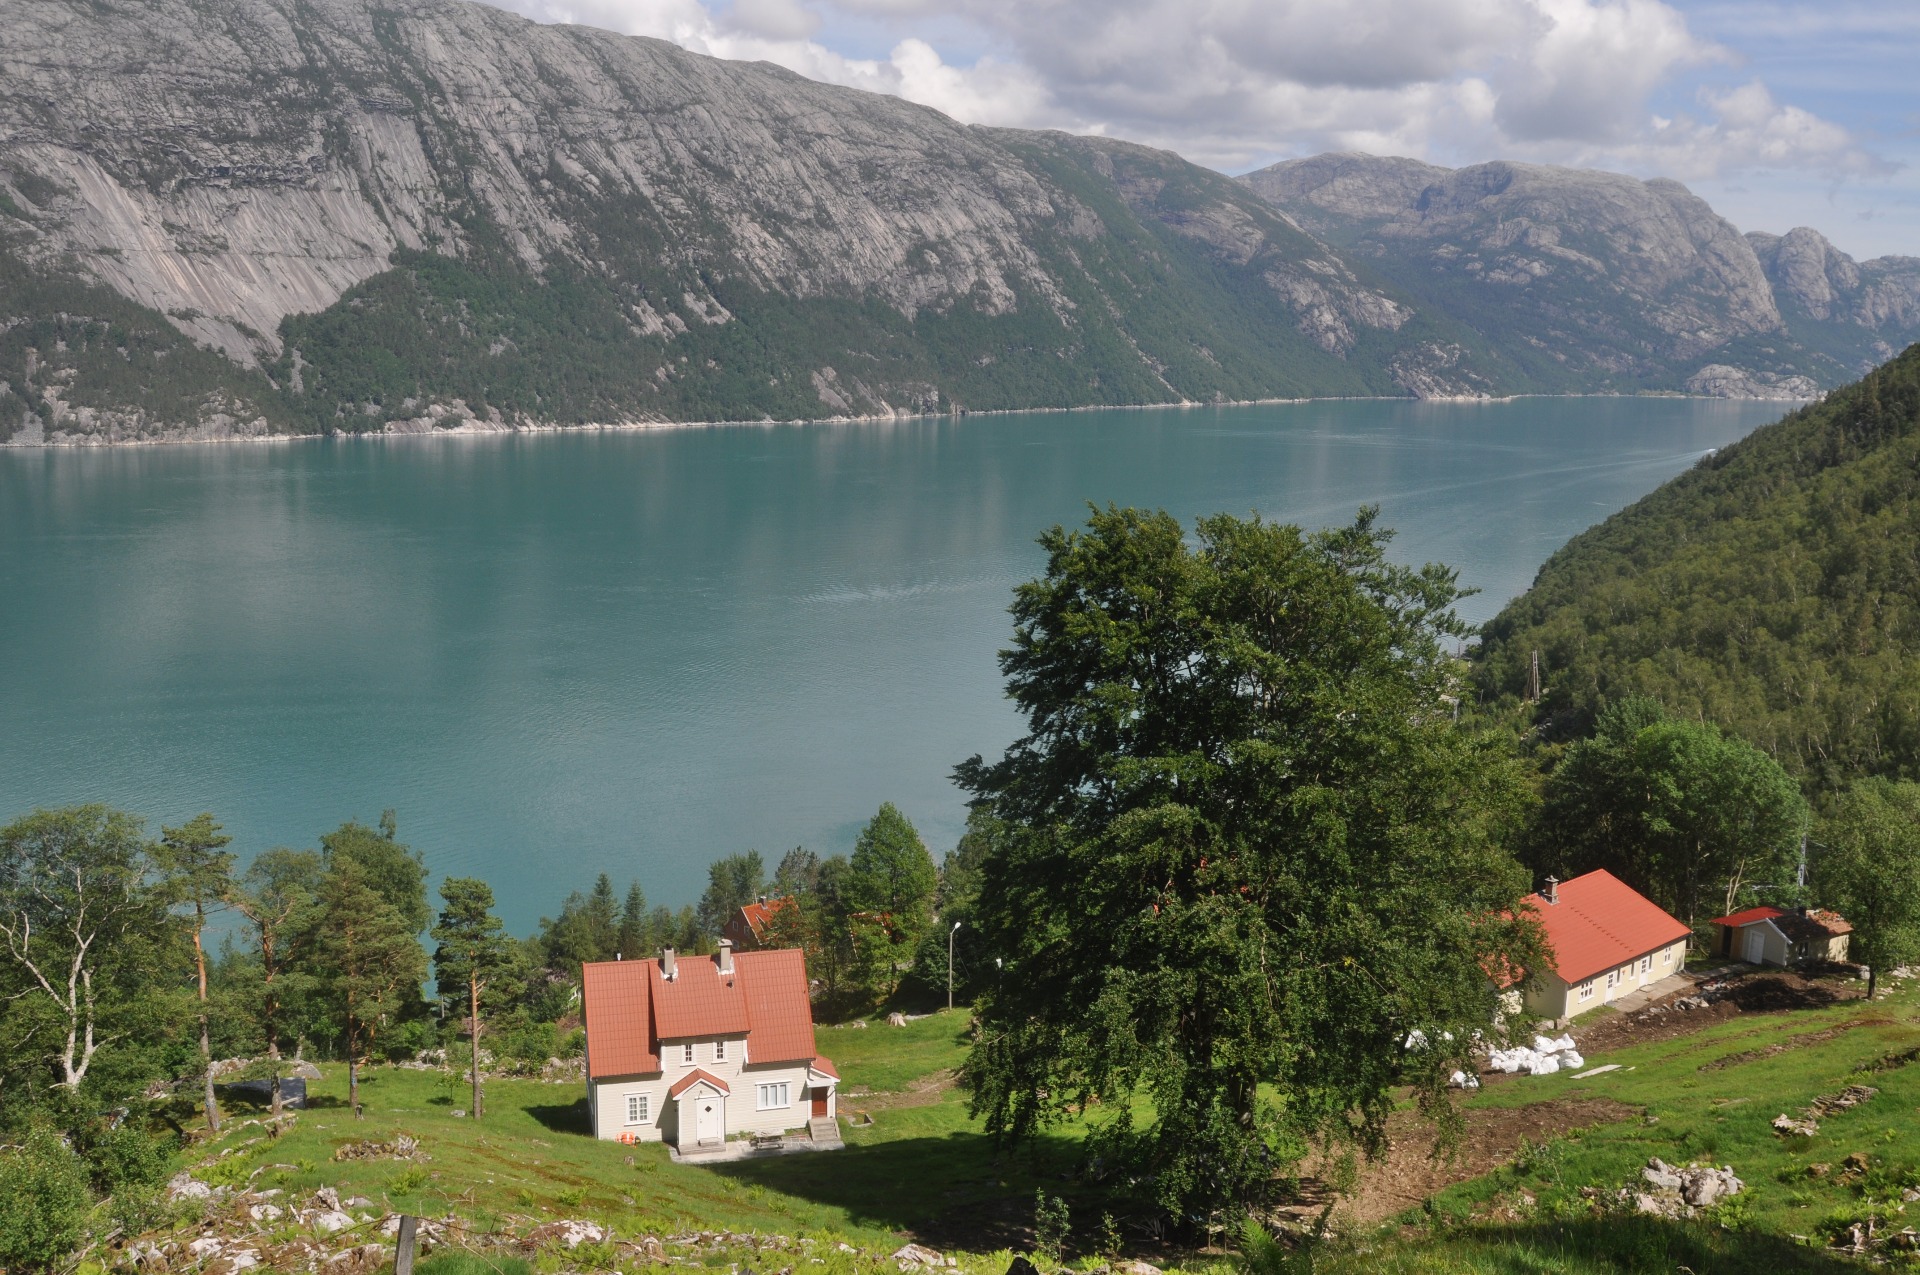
x,y
1744,992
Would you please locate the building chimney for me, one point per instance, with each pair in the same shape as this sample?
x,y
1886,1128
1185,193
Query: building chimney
x,y
666,964
1552,893
726,956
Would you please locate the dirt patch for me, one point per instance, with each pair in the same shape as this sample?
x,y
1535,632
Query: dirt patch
x,y
922,1091
1408,1173
1728,996
1780,1047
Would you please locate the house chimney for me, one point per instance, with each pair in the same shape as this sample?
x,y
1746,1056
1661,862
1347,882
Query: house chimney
x,y
726,956
1552,893
666,964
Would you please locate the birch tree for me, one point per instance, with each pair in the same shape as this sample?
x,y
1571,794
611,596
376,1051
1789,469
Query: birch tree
x,y
83,926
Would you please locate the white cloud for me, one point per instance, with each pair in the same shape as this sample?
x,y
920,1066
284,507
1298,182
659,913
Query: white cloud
x,y
1233,83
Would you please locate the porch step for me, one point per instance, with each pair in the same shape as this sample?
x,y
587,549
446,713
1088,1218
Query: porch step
x,y
824,1130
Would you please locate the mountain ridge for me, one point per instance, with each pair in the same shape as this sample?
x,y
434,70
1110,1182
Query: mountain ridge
x,y
226,218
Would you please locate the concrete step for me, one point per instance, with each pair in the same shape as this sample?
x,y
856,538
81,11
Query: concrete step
x,y
824,1130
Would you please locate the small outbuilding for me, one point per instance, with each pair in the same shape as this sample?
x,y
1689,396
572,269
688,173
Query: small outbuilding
x,y
1604,940
1783,936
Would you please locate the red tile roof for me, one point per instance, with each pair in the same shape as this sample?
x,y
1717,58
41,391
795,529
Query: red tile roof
x,y
700,1001
693,1078
631,1008
1600,922
620,1041
824,1065
757,915
778,1008
1748,917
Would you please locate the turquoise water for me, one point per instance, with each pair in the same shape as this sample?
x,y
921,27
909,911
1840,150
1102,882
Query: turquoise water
x,y
633,652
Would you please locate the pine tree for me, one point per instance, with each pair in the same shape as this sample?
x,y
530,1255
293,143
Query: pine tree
x,y
367,960
635,931
200,876
473,951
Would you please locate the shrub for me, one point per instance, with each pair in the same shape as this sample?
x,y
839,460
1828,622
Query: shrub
x,y
1051,1225
43,1202
127,1157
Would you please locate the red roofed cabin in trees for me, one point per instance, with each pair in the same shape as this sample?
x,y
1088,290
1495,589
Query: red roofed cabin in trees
x,y
693,1050
1604,939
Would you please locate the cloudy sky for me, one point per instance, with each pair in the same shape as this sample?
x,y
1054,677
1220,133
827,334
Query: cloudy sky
x,y
1780,112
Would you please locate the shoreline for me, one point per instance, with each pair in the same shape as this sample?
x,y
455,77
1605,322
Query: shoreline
x,y
475,429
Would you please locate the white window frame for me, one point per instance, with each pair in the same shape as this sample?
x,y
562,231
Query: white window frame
x,y
1646,963
638,1107
1613,979
687,1056
720,1051
1666,956
777,1089
1586,990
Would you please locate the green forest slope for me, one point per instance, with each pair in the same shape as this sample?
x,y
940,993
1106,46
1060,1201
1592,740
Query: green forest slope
x,y
1773,589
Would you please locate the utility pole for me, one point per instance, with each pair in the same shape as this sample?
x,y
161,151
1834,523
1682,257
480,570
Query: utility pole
x,y
950,933
1533,678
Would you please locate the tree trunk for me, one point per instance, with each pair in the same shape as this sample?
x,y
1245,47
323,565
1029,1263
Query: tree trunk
x,y
353,1075
1873,979
206,1048
473,999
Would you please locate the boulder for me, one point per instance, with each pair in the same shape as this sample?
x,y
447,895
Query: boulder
x,y
1660,1175
567,1233
1703,1188
185,1186
1021,1266
1137,1268
913,1257
266,1212
328,1221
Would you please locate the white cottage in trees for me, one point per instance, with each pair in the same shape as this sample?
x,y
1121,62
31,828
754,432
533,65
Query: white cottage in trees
x,y
694,1050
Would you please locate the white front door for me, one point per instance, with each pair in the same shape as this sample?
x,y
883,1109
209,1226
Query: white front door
x,y
1756,945
710,1120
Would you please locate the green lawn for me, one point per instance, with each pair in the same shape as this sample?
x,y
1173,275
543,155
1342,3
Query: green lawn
x,y
923,1168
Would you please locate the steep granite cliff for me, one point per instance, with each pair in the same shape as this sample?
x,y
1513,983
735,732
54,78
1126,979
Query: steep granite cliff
x,y
406,214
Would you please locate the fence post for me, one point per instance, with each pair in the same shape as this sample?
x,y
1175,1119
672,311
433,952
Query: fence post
x,y
403,1246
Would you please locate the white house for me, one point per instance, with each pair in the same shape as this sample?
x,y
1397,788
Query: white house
x,y
694,1050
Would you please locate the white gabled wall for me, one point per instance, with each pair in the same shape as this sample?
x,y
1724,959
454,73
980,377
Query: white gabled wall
x,y
607,1097
1550,997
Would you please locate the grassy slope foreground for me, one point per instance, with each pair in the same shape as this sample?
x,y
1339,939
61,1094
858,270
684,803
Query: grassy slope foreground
x,y
1774,589
922,1169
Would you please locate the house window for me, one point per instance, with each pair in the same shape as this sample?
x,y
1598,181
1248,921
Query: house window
x,y
637,1108
1613,979
1646,964
1586,990
719,1051
1666,957
776,1095
688,1056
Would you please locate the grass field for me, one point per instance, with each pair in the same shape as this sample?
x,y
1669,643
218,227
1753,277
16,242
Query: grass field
x,y
923,1169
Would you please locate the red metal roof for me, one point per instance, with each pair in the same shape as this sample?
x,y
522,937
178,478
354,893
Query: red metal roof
x,y
693,1078
1600,922
631,1008
620,1036
1748,917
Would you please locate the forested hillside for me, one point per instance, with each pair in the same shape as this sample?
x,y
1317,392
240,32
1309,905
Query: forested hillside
x,y
1774,589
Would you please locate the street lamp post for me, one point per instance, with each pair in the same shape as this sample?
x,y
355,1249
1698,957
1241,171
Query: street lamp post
x,y
950,933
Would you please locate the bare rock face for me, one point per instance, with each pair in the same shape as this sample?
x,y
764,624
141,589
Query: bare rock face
x,y
1599,280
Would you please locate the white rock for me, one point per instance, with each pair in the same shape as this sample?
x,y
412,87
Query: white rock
x,y
330,1221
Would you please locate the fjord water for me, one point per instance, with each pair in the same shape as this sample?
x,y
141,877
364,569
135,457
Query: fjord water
x,y
632,652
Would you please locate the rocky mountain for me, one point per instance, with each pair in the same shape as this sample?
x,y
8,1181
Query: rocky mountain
x,y
240,217
243,216
1583,280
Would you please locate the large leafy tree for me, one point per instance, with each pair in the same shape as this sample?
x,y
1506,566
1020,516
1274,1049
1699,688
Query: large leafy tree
x,y
1869,869
85,933
893,874
473,953
199,874
1245,852
369,963
1677,809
